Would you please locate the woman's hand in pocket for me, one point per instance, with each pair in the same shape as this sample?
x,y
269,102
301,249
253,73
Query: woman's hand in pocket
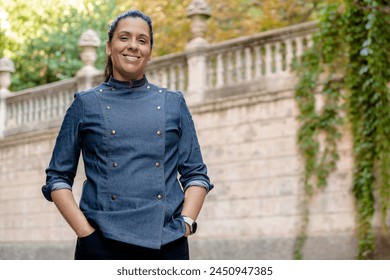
x,y
88,230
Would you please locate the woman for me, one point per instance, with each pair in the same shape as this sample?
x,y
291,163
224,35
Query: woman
x,y
135,139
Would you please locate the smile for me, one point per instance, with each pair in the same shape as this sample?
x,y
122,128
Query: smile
x,y
131,57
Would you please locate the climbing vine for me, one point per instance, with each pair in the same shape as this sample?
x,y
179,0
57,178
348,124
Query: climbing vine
x,y
347,67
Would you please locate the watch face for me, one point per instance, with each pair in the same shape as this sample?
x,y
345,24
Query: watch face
x,y
194,227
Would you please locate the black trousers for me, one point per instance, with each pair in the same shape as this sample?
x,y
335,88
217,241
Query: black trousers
x,y
97,247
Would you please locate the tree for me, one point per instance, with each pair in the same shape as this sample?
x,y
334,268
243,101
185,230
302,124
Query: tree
x,y
51,53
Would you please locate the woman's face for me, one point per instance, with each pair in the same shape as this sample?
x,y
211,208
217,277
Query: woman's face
x,y
130,49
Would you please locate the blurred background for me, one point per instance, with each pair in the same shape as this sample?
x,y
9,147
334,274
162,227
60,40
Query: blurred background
x,y
290,100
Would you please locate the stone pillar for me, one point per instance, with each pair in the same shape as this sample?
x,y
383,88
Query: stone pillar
x,y
198,11
6,68
89,41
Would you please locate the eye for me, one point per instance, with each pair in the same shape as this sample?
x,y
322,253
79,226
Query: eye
x,y
123,38
143,41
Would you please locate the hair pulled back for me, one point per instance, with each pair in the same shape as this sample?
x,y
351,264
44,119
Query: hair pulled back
x,y
108,70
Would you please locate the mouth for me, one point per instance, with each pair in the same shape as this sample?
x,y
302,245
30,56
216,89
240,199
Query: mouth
x,y
131,57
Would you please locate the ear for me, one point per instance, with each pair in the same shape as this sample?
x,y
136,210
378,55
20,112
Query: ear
x,y
108,48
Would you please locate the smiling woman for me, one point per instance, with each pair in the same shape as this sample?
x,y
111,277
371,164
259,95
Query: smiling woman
x,y
135,138
130,49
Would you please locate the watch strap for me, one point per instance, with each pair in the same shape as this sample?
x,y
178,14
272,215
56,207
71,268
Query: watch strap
x,y
189,222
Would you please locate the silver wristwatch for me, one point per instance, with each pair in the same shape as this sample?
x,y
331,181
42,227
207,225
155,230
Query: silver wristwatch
x,y
193,225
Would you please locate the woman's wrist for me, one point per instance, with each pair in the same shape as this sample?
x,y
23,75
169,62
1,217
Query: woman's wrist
x,y
85,231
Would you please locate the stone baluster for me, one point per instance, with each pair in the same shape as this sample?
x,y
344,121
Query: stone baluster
x,y
239,66
181,77
229,69
268,59
258,62
164,77
89,41
6,68
198,11
299,48
172,77
278,58
289,55
220,71
248,64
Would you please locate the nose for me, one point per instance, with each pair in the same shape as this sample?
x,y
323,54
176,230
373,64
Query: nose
x,y
132,44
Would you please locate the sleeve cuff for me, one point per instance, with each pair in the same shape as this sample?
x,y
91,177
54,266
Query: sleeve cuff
x,y
46,190
60,185
198,183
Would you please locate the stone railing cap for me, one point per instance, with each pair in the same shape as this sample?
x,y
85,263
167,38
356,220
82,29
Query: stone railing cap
x,y
6,65
198,7
89,38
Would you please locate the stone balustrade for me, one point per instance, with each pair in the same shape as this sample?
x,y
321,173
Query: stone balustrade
x,y
169,71
39,107
250,58
203,72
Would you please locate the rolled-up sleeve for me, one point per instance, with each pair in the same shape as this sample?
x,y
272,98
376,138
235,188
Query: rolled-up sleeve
x,y
66,153
192,169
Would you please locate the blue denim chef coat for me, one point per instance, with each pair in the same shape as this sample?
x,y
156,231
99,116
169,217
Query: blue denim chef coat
x,y
135,141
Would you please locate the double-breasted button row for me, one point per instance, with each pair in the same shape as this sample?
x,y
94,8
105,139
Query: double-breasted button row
x,y
159,91
112,89
159,133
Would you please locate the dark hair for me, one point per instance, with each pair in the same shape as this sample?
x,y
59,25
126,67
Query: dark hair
x,y
131,13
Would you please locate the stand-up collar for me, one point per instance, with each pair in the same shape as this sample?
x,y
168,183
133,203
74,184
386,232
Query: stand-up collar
x,y
123,85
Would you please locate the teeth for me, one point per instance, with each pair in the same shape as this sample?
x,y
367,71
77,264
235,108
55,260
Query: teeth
x,y
131,58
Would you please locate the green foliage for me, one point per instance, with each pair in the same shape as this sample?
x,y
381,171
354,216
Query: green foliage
x,y
2,42
368,110
353,41
54,55
314,123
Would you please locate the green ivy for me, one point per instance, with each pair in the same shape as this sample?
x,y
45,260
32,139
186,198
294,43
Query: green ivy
x,y
350,52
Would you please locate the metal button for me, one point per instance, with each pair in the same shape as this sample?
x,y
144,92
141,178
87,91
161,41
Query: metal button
x,y
115,164
113,197
158,132
112,89
157,164
159,197
160,91
100,90
158,107
113,132
108,107
148,87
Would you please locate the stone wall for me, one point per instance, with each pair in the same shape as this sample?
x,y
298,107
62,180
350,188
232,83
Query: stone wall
x,y
249,145
245,114
254,211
